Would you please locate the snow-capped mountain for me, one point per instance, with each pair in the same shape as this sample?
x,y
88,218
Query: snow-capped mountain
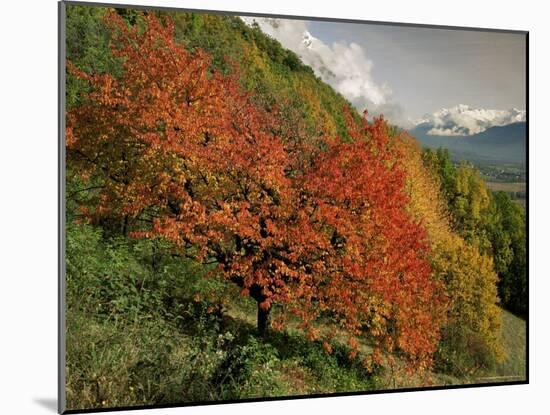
x,y
506,143
463,120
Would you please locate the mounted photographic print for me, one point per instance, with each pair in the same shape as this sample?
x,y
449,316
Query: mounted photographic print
x,y
274,207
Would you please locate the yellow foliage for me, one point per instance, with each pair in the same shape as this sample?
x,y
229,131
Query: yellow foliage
x,y
469,276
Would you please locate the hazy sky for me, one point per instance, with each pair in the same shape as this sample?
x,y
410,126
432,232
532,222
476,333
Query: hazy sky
x,y
408,72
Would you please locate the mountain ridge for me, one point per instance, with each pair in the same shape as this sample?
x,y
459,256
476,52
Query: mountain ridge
x,y
506,143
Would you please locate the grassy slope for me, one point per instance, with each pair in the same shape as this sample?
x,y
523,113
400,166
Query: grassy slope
x,y
514,341
134,354
141,336
118,362
113,363
513,368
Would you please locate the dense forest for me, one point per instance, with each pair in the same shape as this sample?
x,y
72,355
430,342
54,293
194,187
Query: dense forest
x,y
236,229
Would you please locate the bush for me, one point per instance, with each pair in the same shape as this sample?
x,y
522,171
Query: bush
x,y
108,277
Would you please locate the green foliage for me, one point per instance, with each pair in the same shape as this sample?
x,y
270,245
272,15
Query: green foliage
x,y
490,221
440,162
87,47
467,196
509,240
274,75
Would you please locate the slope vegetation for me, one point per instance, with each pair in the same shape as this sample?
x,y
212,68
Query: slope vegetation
x,y
236,230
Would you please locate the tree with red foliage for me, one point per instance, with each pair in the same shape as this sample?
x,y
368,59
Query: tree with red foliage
x,y
373,273
177,150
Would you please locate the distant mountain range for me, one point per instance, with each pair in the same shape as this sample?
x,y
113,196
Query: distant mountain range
x,y
505,143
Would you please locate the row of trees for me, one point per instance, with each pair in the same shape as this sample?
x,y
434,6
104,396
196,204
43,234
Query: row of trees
x,y
493,222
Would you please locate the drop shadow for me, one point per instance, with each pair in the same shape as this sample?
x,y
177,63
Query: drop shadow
x,y
48,403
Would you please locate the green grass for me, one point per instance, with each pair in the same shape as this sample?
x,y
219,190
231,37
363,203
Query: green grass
x,y
514,342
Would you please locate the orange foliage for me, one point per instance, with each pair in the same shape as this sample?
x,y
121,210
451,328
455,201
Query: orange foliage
x,y
182,153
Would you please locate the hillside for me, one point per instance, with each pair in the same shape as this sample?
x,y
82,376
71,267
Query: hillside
x,y
236,230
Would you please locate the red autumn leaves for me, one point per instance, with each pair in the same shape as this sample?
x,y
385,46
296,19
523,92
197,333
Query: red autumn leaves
x,y
177,150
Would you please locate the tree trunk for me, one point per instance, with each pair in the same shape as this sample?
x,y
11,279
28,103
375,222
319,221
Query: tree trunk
x,y
263,319
125,225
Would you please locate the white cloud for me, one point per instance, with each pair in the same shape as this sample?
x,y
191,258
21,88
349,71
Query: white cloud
x,y
344,66
463,120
